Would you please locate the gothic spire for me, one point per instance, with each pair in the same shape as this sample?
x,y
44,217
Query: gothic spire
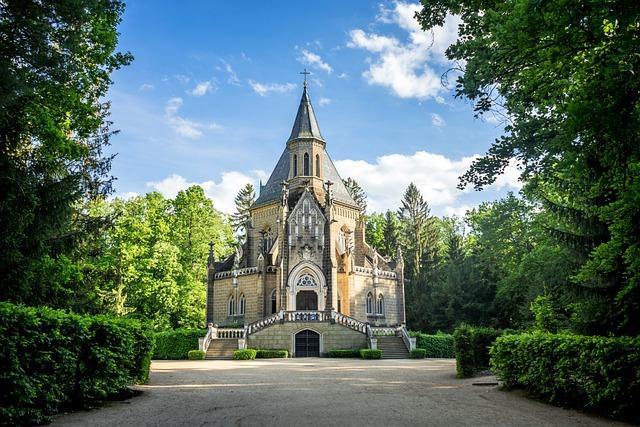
x,y
305,125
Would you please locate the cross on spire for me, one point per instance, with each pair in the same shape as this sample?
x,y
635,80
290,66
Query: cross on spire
x,y
305,73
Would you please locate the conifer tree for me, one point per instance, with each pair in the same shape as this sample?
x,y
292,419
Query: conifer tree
x,y
245,198
357,193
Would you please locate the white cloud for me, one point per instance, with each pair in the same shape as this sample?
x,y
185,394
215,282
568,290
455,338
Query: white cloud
x,y
202,88
407,68
222,192
144,87
439,99
263,89
458,211
314,60
437,120
435,175
343,76
183,79
324,101
233,77
185,127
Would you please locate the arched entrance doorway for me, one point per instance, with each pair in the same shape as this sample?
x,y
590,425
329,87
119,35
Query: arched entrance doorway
x,y
307,344
306,300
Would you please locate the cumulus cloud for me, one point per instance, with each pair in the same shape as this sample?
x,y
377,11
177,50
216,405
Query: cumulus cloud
x,y
185,127
408,67
144,87
201,89
222,192
343,76
435,175
264,89
437,120
314,60
324,101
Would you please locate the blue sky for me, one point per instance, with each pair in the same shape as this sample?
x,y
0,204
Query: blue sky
x,y
212,93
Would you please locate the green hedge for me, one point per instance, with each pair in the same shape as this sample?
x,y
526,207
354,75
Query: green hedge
x,y
53,361
600,374
366,353
196,355
343,353
266,353
471,346
440,345
246,354
176,344
418,353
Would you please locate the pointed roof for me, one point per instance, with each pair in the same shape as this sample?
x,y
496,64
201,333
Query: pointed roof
x,y
305,125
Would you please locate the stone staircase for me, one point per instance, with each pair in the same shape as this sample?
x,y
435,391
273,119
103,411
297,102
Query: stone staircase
x,y
221,348
392,347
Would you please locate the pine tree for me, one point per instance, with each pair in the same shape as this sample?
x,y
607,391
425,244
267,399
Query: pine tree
x,y
245,198
391,233
417,227
357,193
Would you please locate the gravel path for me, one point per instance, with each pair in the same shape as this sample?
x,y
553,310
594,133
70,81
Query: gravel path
x,y
322,392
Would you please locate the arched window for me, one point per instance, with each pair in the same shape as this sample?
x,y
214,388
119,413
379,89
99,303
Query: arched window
x,y
339,304
369,303
243,306
380,304
231,306
295,165
267,240
305,164
306,281
273,301
317,165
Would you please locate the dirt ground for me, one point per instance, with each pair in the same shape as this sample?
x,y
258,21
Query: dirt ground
x,y
323,392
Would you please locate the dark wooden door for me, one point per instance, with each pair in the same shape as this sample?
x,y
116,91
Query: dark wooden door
x,y
306,300
307,344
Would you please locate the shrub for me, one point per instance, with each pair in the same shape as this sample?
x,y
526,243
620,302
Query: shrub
x,y
366,353
196,355
246,354
418,353
440,345
52,360
600,374
471,345
265,353
342,353
176,344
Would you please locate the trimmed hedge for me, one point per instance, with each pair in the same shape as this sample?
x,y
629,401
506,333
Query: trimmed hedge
x,y
418,353
266,353
196,355
471,346
366,353
246,354
176,344
343,353
600,374
440,345
53,361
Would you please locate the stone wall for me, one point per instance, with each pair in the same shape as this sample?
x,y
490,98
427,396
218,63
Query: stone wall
x,y
363,284
249,286
332,336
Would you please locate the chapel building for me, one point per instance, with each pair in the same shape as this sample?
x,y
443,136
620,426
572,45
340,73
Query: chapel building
x,y
305,279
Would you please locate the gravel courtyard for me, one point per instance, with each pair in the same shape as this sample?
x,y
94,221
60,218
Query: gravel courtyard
x,y
322,392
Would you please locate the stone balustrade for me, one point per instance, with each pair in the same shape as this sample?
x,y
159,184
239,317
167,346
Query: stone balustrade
x,y
235,273
380,273
230,333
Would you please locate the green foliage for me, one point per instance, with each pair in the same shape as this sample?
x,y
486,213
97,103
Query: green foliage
x,y
570,123
267,353
367,353
546,319
471,345
196,355
357,193
54,360
343,353
440,345
55,70
176,344
383,232
597,374
246,354
244,199
417,353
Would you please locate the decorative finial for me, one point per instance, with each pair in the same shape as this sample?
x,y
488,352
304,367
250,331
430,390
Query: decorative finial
x,y
305,73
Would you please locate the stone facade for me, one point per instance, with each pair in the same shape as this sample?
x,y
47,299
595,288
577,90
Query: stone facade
x,y
305,250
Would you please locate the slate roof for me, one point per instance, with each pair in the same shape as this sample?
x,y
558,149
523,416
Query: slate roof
x,y
305,124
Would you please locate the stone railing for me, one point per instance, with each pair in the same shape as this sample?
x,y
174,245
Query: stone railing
x,y
349,322
230,333
238,272
369,271
263,323
382,331
410,342
203,343
306,316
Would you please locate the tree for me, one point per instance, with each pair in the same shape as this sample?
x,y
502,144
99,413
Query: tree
x,y
56,59
569,89
374,232
357,193
245,198
391,233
